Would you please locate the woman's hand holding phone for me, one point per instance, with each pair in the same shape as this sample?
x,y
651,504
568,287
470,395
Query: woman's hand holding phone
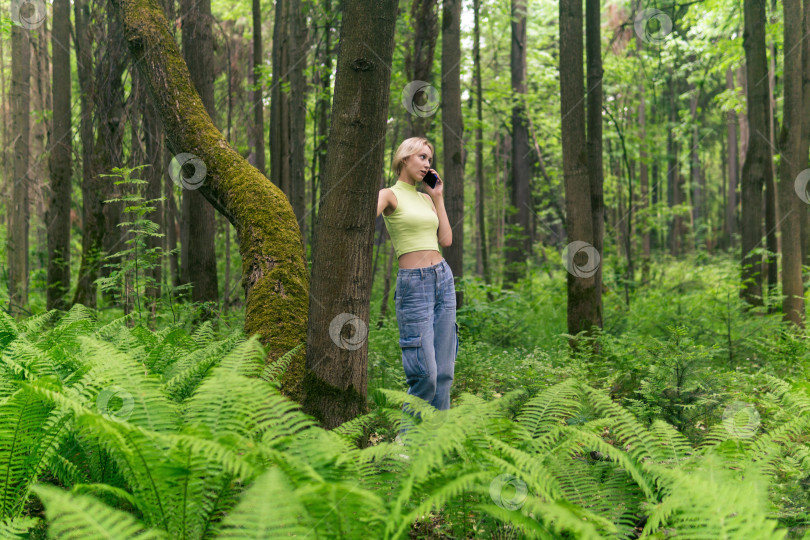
x,y
433,183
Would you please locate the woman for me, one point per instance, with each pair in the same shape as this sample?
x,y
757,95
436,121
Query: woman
x,y
425,296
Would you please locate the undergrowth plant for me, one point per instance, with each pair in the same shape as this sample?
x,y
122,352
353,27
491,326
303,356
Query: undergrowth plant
x,y
111,431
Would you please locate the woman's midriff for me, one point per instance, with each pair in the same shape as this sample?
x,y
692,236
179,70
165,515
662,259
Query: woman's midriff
x,y
420,259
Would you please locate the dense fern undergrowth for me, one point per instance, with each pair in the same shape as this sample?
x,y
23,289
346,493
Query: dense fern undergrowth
x,y
693,421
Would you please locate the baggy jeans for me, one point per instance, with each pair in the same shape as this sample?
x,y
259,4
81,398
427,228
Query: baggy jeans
x,y
425,300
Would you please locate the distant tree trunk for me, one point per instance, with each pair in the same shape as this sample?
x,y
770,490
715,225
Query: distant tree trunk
x,y
21,127
419,62
323,109
480,192
153,175
197,212
582,299
773,240
280,151
789,144
257,129
110,144
274,272
694,166
452,133
593,44
756,171
518,242
336,378
732,160
644,181
804,148
58,216
92,216
298,113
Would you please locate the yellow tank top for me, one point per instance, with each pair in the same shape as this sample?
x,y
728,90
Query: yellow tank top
x,y
414,225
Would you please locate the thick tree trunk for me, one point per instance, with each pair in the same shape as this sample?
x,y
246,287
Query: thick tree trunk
x,y
756,171
21,127
518,243
274,273
337,377
452,132
197,212
790,142
582,299
596,176
58,216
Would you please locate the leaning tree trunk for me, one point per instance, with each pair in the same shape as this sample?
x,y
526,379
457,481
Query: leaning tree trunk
x,y
582,299
452,129
58,214
790,140
337,377
274,273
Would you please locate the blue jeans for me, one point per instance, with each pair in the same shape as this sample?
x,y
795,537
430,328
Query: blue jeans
x,y
425,300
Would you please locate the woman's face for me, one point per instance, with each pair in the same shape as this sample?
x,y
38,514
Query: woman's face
x,y
418,164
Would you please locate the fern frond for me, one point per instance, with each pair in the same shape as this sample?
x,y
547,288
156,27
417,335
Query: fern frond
x,y
81,517
551,407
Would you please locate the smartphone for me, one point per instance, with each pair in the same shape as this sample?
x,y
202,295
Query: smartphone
x,y
430,179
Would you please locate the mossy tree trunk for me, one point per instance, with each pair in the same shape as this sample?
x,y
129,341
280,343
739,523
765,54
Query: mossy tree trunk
x,y
274,274
336,382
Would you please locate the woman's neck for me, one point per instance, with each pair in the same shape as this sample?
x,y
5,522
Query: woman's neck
x,y
407,180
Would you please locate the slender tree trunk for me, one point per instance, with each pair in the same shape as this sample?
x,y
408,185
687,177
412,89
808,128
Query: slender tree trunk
x,y
518,243
452,133
198,53
58,216
419,64
336,378
18,232
773,240
298,113
732,160
789,167
593,44
257,129
480,192
804,147
582,292
324,102
280,151
756,171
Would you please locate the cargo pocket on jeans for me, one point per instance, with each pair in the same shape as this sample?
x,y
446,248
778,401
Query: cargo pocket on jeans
x,y
456,325
413,357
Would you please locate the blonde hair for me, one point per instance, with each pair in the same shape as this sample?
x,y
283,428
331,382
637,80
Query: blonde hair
x,y
408,148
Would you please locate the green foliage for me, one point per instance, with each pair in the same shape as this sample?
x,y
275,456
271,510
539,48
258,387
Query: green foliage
x,y
173,434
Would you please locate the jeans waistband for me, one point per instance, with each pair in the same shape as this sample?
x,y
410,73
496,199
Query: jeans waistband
x,y
440,266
